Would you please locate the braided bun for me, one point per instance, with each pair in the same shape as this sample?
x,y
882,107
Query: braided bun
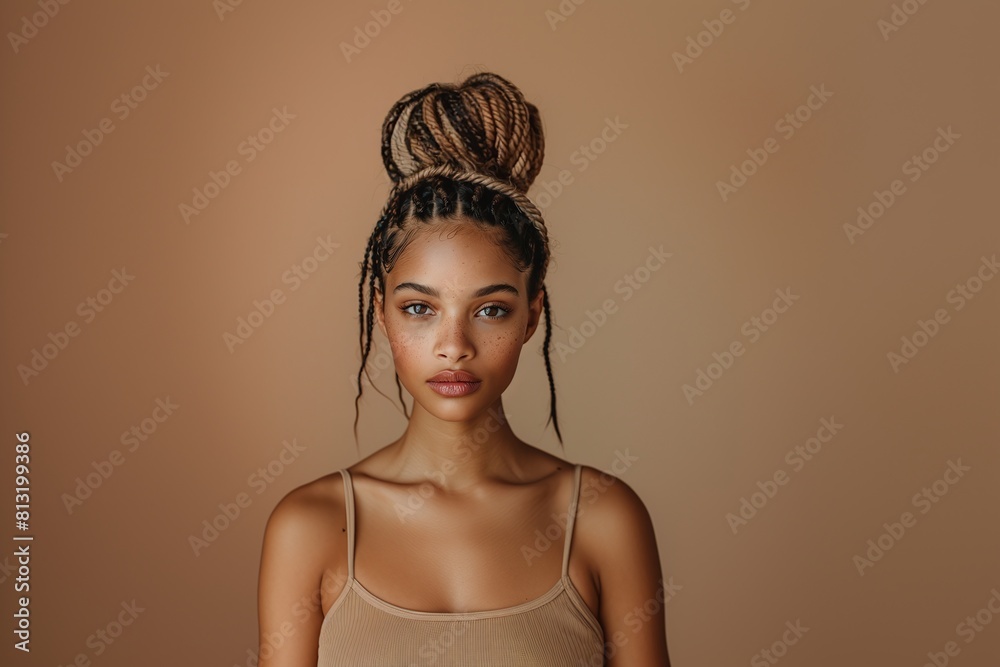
x,y
481,125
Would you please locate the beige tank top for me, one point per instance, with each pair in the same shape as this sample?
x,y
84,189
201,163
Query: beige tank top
x,y
554,630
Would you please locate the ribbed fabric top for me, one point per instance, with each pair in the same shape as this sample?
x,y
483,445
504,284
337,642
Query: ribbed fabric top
x,y
554,630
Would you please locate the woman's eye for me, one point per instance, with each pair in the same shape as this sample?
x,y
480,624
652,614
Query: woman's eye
x,y
406,309
492,312
495,308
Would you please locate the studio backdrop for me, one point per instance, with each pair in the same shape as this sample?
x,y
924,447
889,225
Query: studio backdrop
x,y
774,291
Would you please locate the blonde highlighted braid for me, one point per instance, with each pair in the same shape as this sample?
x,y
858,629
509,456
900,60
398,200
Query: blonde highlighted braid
x,y
471,149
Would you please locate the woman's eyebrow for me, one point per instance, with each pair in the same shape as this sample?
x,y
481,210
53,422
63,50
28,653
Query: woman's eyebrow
x,y
481,292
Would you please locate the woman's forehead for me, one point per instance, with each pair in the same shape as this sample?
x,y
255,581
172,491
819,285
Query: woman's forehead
x,y
454,259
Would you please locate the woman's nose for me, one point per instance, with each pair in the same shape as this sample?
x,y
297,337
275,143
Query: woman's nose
x,y
453,341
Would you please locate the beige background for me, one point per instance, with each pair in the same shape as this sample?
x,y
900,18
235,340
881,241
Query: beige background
x,y
655,184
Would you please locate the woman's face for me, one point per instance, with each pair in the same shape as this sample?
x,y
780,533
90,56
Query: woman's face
x,y
453,301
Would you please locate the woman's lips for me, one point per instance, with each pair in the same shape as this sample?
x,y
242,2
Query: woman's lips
x,y
454,376
453,389
454,383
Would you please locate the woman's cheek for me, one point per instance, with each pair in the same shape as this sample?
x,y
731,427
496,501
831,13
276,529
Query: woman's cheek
x,y
507,350
405,347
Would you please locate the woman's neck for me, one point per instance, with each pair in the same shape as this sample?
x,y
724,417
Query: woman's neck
x,y
457,456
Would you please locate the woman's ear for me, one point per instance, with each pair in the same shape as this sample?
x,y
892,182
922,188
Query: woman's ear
x,y
379,313
534,315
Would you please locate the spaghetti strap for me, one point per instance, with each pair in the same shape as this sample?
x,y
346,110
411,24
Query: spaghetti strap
x,y
349,504
574,503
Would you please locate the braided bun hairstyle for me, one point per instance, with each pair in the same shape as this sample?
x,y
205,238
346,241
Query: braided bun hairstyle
x,y
472,150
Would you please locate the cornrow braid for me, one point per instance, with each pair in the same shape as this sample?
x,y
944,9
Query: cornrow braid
x,y
471,150
492,184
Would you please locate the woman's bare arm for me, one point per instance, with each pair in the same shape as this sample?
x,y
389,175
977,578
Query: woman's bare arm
x,y
622,542
291,567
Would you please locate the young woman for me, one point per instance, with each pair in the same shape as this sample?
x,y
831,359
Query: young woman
x,y
459,543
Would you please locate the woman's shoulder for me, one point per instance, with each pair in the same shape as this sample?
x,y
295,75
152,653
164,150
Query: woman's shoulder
x,y
304,539
611,514
307,512
609,498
